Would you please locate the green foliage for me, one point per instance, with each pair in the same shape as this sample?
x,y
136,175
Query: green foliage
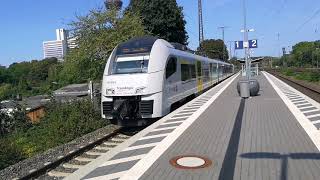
x,y
62,123
5,91
9,153
17,121
288,72
304,54
213,49
26,78
306,75
162,18
98,33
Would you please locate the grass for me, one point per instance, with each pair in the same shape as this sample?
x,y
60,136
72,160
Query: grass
x,y
306,75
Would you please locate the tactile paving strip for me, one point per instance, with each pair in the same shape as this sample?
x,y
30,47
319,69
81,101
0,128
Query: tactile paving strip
x,y
308,108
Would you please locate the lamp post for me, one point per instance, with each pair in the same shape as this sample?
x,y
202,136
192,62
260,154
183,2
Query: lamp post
x,y
245,38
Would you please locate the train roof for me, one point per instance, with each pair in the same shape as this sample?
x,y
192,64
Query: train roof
x,y
144,44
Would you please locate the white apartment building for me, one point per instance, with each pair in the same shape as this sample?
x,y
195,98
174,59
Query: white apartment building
x,y
58,48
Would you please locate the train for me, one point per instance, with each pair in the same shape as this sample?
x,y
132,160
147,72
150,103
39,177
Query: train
x,y
146,77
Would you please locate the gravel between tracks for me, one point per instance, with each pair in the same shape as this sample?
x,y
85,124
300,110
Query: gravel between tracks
x,y
22,168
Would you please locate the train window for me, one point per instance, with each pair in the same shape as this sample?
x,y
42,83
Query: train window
x,y
188,71
185,72
199,73
206,73
192,68
142,45
171,67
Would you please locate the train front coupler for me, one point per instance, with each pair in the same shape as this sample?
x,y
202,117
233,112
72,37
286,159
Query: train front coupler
x,y
126,108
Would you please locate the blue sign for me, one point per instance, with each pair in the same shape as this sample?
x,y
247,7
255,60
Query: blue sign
x,y
253,43
238,44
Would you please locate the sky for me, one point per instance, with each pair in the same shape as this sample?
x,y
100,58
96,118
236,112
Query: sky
x,y
27,23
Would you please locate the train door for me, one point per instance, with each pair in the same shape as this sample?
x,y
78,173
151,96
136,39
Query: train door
x,y
214,73
218,72
211,73
199,76
172,81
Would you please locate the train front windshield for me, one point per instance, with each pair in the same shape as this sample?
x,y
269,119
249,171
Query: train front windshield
x,y
125,66
133,56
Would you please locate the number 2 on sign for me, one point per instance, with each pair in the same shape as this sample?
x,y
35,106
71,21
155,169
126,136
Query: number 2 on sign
x,y
254,43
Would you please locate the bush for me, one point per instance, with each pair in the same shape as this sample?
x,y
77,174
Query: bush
x,y
62,123
306,75
9,153
288,72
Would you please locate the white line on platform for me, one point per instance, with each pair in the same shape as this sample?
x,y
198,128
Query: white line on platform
x,y
198,104
309,106
109,176
306,124
164,128
184,114
291,95
296,98
140,146
144,164
313,110
295,101
153,136
314,115
302,103
117,161
316,122
173,122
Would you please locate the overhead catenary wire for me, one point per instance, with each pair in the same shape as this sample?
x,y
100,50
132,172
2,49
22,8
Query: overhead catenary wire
x,y
309,19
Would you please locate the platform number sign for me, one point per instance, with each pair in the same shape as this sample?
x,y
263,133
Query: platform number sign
x,y
253,43
238,44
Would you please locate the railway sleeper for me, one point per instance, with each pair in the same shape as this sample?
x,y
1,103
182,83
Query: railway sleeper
x,y
105,148
55,173
72,166
94,153
84,159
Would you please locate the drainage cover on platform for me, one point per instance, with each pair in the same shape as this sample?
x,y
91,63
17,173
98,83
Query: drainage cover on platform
x,y
190,162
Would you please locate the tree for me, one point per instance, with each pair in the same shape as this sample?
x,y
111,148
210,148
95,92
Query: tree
x,y
162,18
213,49
302,53
98,33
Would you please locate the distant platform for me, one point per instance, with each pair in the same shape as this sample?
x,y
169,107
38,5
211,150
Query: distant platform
x,y
218,135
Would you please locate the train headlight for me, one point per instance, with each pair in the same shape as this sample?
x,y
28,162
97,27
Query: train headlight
x,y
110,91
140,90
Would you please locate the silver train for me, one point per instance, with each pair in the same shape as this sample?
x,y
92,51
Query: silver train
x,y
146,77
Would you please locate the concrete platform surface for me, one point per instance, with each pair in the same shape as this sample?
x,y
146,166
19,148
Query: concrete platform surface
x,y
271,136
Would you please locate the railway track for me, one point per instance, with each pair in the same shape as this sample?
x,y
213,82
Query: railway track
x,y
304,88
68,164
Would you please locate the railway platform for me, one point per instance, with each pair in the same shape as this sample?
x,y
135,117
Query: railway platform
x,y
218,135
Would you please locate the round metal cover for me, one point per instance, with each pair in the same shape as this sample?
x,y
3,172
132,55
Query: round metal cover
x,y
190,162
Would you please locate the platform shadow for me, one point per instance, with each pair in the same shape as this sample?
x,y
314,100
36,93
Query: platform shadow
x,y
283,158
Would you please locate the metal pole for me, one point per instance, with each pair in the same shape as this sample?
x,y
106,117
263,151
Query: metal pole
x,y
223,39
246,40
223,54
230,49
201,36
